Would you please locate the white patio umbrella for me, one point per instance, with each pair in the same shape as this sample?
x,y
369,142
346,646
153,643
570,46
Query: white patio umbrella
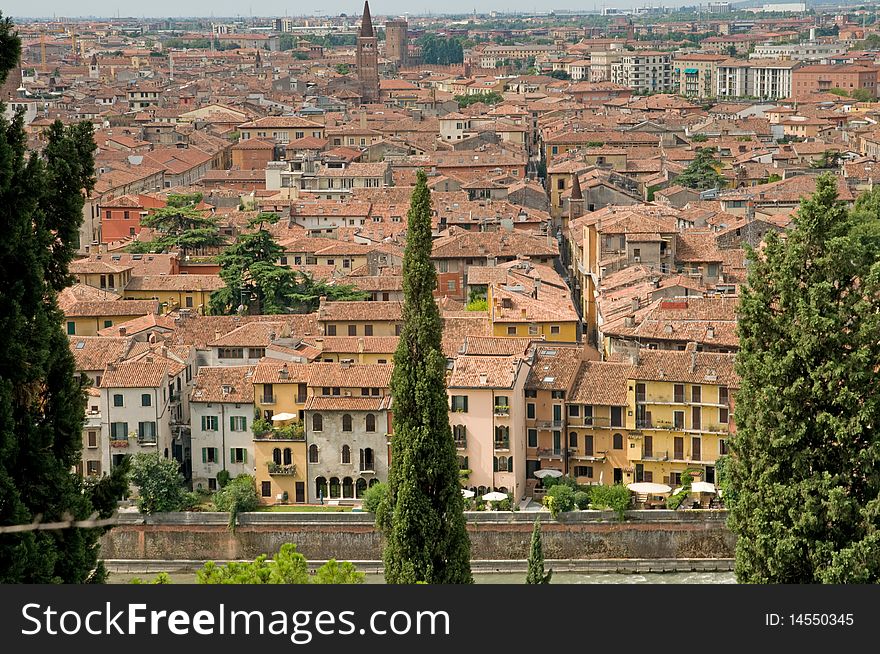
x,y
281,417
547,472
495,496
467,493
649,488
699,487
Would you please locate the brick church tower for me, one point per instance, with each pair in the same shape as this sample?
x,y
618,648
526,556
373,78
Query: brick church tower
x,y
367,58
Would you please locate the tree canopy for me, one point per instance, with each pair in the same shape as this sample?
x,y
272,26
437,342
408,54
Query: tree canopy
x,y
702,173
42,398
426,540
180,225
803,484
440,51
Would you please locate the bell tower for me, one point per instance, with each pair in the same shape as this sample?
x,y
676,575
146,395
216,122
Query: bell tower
x,y
367,58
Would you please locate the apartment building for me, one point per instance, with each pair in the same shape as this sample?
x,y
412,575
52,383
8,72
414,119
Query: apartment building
x,y
819,78
767,79
644,71
694,74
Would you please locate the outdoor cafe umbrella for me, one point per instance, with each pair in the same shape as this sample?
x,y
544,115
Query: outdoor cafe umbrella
x,y
467,493
495,496
547,472
649,488
700,487
281,417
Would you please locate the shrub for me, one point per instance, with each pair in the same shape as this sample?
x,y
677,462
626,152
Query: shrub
x,y
582,499
159,483
559,499
617,498
223,478
238,496
376,502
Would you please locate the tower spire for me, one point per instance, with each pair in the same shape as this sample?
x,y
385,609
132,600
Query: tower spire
x,y
367,21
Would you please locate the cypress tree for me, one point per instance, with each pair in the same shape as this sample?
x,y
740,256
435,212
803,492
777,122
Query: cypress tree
x,y
42,400
426,539
803,485
536,574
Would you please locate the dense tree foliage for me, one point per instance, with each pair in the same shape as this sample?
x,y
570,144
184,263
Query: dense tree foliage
x,y
701,173
159,483
487,97
803,486
440,51
255,281
180,226
237,496
286,567
426,540
42,399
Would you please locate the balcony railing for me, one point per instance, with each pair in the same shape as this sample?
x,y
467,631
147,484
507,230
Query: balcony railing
x,y
119,442
549,452
502,444
502,410
656,455
278,469
549,424
461,443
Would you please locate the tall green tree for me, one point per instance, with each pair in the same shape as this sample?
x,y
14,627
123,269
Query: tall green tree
x,y
181,226
701,173
536,574
804,481
256,283
426,539
42,400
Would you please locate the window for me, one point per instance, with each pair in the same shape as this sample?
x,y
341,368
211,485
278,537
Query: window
x,y
696,448
266,489
533,330
346,454
237,423
317,422
368,330
722,446
71,328
313,453
209,455
588,444
554,329
346,422
723,395
147,432
532,438
210,423
617,416
531,392
451,285
696,418
678,393
370,421
583,471
93,439
573,439
617,441
443,265
678,419
146,399
640,392
276,456
723,415
574,410
117,399
331,330
367,459
530,410
460,403
119,431
696,394
511,331
238,455
352,330
288,456
397,329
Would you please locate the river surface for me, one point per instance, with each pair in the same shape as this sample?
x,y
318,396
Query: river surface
x,y
518,578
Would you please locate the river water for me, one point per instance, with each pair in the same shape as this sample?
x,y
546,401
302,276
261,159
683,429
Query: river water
x,y
518,578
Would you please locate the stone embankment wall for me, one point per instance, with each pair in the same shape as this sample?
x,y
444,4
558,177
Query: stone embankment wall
x,y
586,535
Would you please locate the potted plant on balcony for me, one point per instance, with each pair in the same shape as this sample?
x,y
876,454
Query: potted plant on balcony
x,y
260,427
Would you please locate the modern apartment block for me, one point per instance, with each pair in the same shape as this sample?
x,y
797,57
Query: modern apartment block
x,y
645,72
768,79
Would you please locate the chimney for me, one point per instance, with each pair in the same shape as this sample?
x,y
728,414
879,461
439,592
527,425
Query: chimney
x,y
635,303
151,338
484,378
655,282
693,361
283,373
629,321
710,332
537,286
363,120
122,331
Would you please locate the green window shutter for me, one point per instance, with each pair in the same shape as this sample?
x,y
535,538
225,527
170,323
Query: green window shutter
x,y
244,423
203,423
204,451
216,455
71,327
125,430
244,455
510,464
231,423
494,464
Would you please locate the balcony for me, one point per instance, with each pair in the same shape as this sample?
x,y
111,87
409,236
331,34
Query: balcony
x,y
549,424
119,442
461,443
278,469
501,410
549,453
146,440
502,444
656,455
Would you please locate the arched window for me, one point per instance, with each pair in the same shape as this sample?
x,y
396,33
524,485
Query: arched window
x,y
360,487
320,487
462,463
276,455
371,422
335,488
494,464
373,482
510,464
617,443
502,464
347,488
317,422
481,490
288,456
367,459
346,422
346,454
313,453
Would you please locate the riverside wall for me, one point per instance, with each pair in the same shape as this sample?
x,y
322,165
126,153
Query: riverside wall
x,y
645,536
